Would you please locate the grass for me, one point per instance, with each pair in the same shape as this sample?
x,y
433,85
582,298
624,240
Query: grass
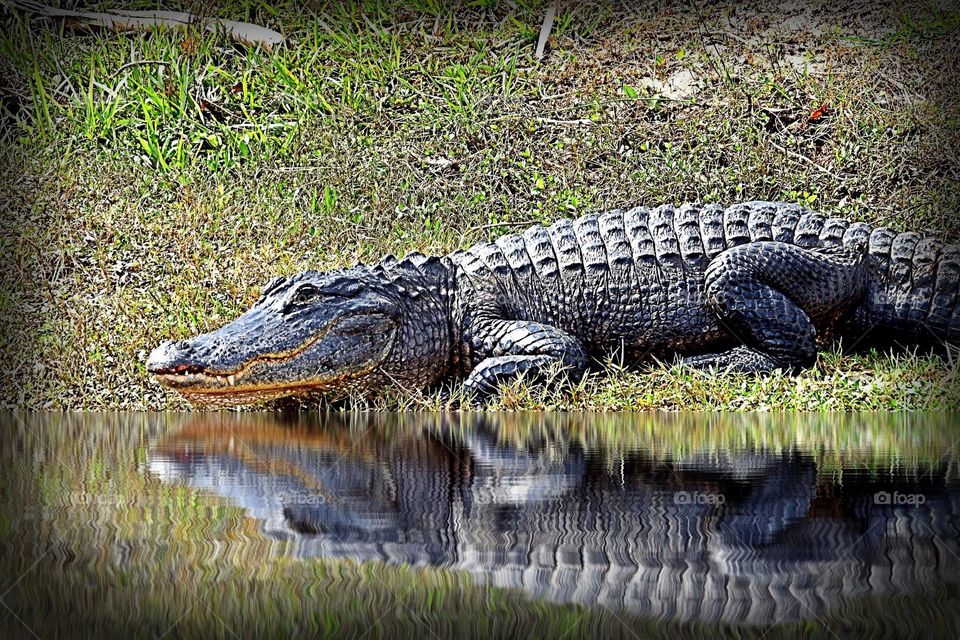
x,y
873,382
153,182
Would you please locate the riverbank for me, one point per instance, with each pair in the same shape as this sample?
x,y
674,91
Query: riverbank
x,y
155,182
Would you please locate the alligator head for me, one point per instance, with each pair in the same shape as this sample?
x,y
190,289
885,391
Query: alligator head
x,y
334,332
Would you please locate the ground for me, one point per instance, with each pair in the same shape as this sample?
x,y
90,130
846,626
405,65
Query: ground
x,y
152,183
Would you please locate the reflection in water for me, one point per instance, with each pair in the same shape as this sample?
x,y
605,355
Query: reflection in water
x,y
631,513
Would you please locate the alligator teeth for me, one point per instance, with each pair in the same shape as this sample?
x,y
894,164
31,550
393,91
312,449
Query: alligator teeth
x,y
230,379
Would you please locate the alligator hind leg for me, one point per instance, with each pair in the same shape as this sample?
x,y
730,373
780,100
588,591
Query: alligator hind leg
x,y
771,296
511,348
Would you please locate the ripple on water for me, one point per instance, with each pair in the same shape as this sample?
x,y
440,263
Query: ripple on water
x,y
672,523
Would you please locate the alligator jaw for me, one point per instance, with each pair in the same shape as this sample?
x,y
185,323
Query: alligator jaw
x,y
244,395
197,389
207,386
228,389
181,376
221,388
187,381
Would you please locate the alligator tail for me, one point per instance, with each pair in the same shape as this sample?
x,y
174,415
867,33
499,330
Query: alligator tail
x,y
914,289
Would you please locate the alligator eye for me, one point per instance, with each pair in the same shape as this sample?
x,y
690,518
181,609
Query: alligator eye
x,y
306,293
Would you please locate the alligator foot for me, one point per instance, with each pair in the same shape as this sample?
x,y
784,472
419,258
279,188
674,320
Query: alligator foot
x,y
736,360
486,378
769,295
519,348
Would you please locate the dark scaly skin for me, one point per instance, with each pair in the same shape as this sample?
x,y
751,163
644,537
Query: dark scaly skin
x,y
752,287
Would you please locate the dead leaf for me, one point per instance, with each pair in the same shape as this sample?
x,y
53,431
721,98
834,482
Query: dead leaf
x,y
819,112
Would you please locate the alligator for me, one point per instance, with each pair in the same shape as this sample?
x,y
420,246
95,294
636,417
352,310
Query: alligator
x,y
753,288
741,536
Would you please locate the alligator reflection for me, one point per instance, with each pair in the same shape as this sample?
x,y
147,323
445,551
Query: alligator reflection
x,y
734,535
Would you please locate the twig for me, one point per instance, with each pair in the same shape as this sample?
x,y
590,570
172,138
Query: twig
x,y
807,160
545,31
136,63
582,121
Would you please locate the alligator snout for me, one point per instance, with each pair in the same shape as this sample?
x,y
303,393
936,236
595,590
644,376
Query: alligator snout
x,y
174,357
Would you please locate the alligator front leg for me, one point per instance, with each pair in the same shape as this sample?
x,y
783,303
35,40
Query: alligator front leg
x,y
771,295
512,348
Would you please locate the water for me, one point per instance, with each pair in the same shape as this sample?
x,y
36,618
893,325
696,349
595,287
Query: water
x,y
379,525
